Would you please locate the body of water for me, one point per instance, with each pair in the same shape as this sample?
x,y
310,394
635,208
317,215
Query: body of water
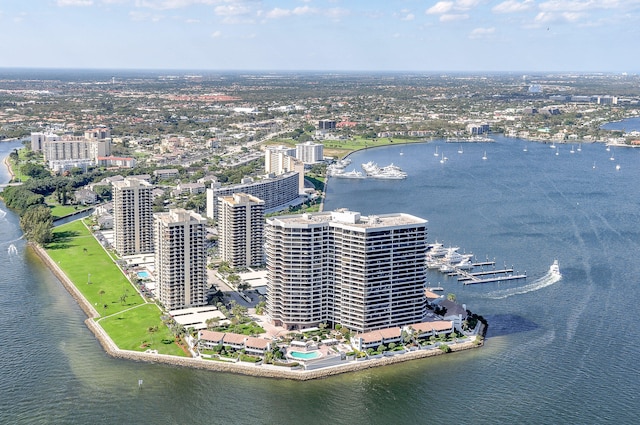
x,y
557,352
627,125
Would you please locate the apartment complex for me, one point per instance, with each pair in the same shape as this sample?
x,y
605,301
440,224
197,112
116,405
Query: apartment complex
x,y
133,216
365,273
66,152
277,192
180,258
310,152
278,159
241,226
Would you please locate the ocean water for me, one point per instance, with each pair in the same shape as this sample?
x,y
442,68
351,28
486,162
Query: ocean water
x,y
557,351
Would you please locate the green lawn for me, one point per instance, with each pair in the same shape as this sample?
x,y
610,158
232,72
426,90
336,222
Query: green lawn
x,y
91,269
130,330
341,148
93,272
58,211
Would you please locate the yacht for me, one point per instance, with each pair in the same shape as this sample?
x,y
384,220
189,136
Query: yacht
x,y
353,174
554,270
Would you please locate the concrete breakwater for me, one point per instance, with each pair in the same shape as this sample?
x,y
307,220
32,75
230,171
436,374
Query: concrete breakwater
x,y
264,370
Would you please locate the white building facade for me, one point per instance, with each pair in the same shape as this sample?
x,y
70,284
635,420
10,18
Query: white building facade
x,y
310,152
180,258
241,230
365,273
133,216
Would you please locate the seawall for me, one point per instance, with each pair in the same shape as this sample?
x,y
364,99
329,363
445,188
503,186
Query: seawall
x,y
251,369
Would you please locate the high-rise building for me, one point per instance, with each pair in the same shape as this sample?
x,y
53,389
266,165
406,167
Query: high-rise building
x,y
133,216
277,192
277,159
310,152
326,125
180,258
364,273
241,225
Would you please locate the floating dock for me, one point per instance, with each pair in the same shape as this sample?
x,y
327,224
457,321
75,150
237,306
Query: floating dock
x,y
494,276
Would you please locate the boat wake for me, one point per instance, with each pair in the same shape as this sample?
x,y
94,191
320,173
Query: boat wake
x,y
551,277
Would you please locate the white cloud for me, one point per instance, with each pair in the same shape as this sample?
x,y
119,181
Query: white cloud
x,y
482,33
513,6
278,13
216,34
136,15
466,4
232,10
408,17
451,17
172,4
64,3
336,13
440,8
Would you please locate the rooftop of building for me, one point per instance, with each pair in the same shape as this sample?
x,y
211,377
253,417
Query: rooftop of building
x,y
344,217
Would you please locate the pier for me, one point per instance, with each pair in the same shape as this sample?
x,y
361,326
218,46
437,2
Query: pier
x,y
495,276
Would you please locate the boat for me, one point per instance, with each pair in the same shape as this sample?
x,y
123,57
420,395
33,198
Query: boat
x,y
579,149
353,174
485,155
608,148
572,150
443,159
436,152
435,288
594,165
557,152
554,270
617,167
552,146
460,149
525,149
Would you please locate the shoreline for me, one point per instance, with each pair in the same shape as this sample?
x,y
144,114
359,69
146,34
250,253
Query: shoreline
x,y
249,369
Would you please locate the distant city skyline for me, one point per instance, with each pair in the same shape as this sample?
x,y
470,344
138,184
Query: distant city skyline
x,y
323,35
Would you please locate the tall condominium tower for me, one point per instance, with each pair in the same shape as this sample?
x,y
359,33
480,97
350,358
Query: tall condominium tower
x,y
133,216
180,258
339,267
310,152
241,225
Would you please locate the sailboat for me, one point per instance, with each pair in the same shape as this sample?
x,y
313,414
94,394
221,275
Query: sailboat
x,y
608,148
485,155
611,157
594,165
443,159
572,150
460,149
617,167
552,146
579,149
525,149
557,152
436,153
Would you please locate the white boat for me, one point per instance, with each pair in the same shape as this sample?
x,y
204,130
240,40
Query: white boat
x,y
436,152
353,174
552,146
617,167
572,150
579,149
435,288
460,149
554,270
594,165
443,159
557,152
465,264
485,155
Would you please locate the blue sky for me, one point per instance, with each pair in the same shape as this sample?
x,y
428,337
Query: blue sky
x,y
344,35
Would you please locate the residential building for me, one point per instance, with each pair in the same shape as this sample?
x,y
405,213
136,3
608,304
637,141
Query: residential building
x,y
364,273
279,159
180,258
326,125
310,152
277,192
38,140
240,227
133,216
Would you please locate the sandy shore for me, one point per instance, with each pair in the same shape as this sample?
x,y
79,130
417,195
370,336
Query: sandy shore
x,y
265,371
7,164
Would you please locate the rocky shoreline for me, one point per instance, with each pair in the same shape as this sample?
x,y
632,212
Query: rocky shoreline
x,y
250,369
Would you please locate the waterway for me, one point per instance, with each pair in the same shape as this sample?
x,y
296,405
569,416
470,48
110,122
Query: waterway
x,y
559,352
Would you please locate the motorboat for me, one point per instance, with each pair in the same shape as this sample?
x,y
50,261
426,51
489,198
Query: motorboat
x,y
554,270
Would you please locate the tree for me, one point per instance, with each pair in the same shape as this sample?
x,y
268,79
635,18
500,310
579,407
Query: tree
x,y
36,223
451,297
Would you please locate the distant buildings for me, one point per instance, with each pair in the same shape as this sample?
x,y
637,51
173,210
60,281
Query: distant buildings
x,y
180,258
326,125
65,152
133,216
279,159
365,273
476,129
240,226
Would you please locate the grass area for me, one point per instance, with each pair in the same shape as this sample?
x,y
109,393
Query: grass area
x,y
91,269
341,148
58,211
126,317
15,168
140,329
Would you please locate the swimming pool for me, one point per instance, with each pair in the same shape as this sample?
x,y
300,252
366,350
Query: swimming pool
x,y
144,275
309,355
